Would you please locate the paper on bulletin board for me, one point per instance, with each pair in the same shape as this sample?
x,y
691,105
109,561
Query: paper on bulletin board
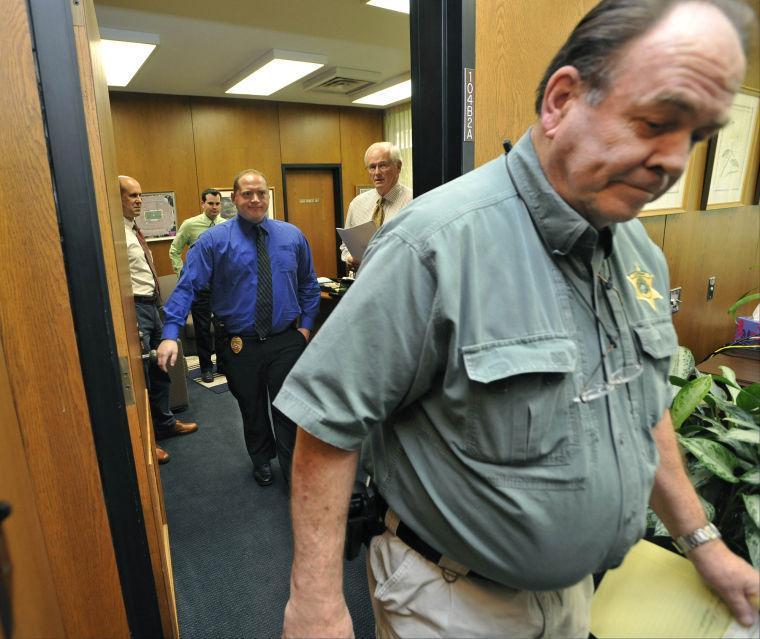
x,y
657,593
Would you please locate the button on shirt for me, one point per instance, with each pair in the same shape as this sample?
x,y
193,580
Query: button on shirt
x,y
189,232
465,410
363,205
225,257
139,271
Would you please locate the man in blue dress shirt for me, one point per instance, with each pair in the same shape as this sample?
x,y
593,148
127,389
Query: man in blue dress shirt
x,y
266,297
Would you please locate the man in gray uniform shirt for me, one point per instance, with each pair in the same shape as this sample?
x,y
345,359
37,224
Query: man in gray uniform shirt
x,y
507,378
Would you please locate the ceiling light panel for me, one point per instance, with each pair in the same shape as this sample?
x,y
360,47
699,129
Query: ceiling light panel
x,y
402,6
274,71
122,54
390,95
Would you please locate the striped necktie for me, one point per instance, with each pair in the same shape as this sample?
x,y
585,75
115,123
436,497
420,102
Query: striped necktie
x,y
263,317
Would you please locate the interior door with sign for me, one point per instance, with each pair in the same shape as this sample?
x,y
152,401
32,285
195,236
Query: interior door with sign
x,y
311,207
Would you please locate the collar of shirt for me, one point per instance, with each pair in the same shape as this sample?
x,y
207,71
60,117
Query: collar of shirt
x,y
249,227
391,196
562,228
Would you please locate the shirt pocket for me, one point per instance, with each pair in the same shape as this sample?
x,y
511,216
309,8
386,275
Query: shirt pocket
x,y
520,408
285,258
657,343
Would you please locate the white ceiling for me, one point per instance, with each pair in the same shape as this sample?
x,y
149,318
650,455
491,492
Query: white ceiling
x,y
204,45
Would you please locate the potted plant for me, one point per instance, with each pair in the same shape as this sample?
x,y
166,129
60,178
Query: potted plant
x,y
717,425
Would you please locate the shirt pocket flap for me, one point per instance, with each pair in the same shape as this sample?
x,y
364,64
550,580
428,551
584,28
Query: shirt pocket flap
x,y
657,340
485,363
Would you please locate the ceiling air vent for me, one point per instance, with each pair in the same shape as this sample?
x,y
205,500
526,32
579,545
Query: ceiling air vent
x,y
341,80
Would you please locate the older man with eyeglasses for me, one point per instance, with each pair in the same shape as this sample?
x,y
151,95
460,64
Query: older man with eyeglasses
x,y
502,362
381,204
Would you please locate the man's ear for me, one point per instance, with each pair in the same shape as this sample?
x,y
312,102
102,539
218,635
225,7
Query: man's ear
x,y
563,88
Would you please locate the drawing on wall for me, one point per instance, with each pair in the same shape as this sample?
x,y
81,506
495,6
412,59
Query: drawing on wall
x,y
228,206
733,152
158,218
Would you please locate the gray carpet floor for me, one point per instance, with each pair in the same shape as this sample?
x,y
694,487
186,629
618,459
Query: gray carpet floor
x,y
231,540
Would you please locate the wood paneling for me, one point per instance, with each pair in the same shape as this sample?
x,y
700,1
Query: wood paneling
x,y
516,40
154,145
233,135
309,134
311,207
655,228
44,374
358,129
702,244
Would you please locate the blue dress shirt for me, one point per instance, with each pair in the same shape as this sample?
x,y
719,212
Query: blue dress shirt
x,y
225,257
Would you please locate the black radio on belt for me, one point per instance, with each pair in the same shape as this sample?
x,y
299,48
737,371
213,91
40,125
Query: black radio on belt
x,y
366,513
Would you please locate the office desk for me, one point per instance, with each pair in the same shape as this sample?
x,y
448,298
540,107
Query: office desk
x,y
747,370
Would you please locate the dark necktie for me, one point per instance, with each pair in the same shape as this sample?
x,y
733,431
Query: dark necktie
x,y
148,257
263,319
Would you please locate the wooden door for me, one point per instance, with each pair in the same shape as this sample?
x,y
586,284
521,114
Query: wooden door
x,y
105,178
311,207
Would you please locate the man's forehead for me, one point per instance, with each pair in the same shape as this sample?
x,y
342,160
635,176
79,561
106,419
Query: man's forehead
x,y
251,180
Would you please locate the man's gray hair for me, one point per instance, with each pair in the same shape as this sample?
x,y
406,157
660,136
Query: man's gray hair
x,y
391,149
594,44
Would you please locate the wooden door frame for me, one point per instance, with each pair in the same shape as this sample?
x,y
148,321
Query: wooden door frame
x,y
337,176
68,147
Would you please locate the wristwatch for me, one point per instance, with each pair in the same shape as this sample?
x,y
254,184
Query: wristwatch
x,y
688,542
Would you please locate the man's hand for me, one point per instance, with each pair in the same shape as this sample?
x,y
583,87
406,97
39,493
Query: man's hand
x,y
305,332
315,617
732,579
166,354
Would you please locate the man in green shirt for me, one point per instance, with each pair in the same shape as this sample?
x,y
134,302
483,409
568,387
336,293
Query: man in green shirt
x,y
506,380
189,232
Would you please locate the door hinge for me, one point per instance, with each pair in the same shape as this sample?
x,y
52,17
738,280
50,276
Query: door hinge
x,y
126,381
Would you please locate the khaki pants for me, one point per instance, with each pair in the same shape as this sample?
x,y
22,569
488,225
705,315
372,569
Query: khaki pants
x,y
411,598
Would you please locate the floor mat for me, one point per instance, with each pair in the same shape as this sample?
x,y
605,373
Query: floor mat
x,y
219,385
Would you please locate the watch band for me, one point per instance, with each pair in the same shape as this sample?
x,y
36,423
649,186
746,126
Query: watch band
x,y
688,542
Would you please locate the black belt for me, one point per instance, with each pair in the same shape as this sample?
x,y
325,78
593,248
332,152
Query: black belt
x,y
451,569
146,299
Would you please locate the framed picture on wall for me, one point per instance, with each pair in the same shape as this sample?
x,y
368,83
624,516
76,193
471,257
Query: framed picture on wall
x,y
158,217
674,199
732,158
363,188
228,206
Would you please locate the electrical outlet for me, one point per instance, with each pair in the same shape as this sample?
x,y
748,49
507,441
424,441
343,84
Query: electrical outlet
x,y
675,299
710,288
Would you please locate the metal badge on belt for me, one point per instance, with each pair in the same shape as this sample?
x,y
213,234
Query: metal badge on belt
x,y
236,344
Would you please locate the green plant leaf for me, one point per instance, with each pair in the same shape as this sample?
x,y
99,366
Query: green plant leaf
x,y
682,363
749,398
752,539
752,504
655,523
698,474
688,398
739,303
752,477
742,435
678,381
729,379
714,456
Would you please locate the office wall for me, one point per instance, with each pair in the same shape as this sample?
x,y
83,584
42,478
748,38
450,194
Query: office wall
x,y
516,39
186,144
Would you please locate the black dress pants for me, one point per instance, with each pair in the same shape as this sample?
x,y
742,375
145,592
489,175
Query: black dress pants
x,y
255,376
204,340
157,381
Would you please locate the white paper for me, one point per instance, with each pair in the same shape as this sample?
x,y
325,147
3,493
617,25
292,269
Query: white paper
x,y
357,238
737,631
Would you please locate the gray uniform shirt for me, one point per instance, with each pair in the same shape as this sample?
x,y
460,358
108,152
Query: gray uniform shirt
x,y
480,314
